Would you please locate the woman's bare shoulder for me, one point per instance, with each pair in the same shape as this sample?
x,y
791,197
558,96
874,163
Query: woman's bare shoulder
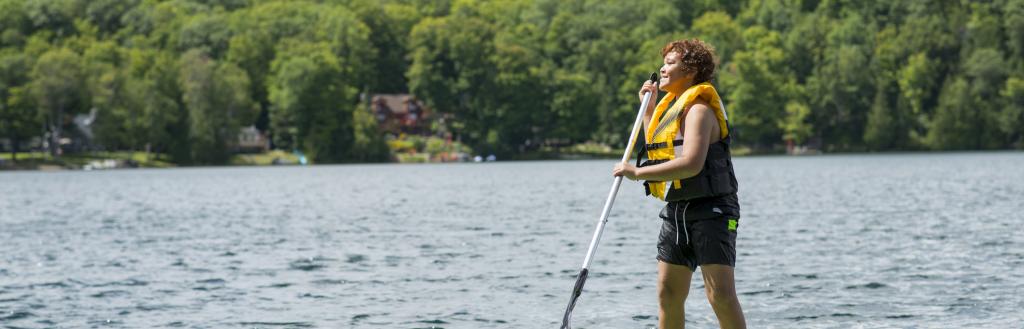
x,y
699,106
701,117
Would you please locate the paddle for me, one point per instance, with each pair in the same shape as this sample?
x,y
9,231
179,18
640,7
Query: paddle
x,y
582,277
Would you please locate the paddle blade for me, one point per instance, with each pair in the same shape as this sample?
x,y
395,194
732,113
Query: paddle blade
x,y
581,279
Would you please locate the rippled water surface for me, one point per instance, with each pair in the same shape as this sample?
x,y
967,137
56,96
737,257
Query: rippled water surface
x,y
868,241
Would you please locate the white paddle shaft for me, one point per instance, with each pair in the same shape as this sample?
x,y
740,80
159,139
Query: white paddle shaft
x,y
615,185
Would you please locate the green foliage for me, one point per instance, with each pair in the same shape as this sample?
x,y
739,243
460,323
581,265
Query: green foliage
x,y
59,87
312,104
216,95
954,121
842,86
368,144
756,84
1012,117
451,70
413,148
180,77
719,29
18,120
882,130
1013,24
916,81
795,126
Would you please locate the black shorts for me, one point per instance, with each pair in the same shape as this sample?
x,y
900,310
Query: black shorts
x,y
705,241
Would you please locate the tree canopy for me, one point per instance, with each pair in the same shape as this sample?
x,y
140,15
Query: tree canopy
x,y
181,77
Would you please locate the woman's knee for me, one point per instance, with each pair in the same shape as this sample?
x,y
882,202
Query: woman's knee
x,y
720,295
673,283
669,292
720,285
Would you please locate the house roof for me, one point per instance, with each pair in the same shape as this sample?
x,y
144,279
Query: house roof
x,y
396,102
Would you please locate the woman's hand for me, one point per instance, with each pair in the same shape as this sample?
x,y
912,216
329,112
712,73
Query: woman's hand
x,y
651,87
626,170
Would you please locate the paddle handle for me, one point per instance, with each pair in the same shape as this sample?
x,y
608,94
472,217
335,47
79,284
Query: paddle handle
x,y
618,180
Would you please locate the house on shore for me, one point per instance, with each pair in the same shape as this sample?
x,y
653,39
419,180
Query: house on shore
x,y
251,140
400,114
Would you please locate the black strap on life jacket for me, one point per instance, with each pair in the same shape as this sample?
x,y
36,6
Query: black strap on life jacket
x,y
647,184
641,152
661,145
640,147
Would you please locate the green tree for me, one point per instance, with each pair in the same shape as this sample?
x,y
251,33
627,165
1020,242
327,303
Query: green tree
x,y
984,29
17,114
885,126
953,126
107,14
986,69
451,72
390,24
882,131
58,84
14,23
805,44
207,31
1012,117
842,86
252,51
260,29
312,106
133,113
165,116
56,16
772,14
368,144
216,95
1013,24
719,29
160,24
917,84
180,76
757,87
795,126
689,11
115,126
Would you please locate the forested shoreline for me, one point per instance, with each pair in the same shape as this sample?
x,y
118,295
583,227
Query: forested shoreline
x,y
180,78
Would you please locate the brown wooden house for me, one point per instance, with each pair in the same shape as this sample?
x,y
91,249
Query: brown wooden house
x,y
400,113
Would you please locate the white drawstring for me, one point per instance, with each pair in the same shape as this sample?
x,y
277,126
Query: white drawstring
x,y
676,213
684,224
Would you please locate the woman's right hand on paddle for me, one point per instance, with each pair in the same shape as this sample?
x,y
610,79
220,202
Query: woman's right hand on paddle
x,y
651,87
625,170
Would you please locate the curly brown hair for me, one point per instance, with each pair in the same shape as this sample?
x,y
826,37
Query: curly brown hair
x,y
697,56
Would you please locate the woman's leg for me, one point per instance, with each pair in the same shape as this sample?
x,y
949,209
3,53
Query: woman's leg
x,y
673,286
720,286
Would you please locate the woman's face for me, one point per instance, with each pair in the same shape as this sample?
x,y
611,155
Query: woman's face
x,y
674,77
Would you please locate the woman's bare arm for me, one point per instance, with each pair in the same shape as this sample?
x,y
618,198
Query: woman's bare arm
x,y
700,123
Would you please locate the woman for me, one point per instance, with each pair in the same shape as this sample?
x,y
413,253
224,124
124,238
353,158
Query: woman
x,y
697,181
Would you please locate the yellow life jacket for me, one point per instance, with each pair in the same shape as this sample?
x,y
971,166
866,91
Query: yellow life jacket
x,y
717,177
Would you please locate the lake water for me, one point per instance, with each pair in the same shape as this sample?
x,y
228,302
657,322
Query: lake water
x,y
851,241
